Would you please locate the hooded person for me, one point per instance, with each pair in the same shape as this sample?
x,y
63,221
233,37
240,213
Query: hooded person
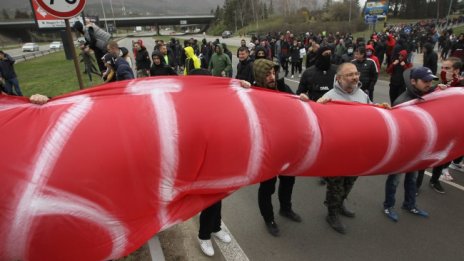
x,y
159,66
370,53
396,70
220,63
319,78
430,58
260,52
264,73
192,61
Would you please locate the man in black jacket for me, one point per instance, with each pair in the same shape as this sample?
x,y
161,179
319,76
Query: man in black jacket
x,y
418,83
264,73
368,69
318,79
245,65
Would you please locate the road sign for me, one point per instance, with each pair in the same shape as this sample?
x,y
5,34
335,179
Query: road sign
x,y
47,21
370,19
62,8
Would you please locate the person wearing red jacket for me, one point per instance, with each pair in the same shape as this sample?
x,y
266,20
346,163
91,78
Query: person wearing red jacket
x,y
396,69
370,53
391,42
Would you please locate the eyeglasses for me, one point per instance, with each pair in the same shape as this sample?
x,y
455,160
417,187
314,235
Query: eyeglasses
x,y
353,74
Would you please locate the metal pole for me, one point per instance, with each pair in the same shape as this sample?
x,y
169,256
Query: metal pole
x,y
349,18
73,51
112,11
449,11
104,15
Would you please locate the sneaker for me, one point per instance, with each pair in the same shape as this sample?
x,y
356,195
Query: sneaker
x,y
335,223
272,228
455,166
206,247
292,77
437,187
290,215
391,214
445,175
223,236
417,211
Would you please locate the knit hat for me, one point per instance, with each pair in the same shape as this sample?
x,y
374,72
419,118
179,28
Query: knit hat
x,y
261,68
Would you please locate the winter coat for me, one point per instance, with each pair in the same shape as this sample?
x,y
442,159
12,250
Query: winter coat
x,y
245,70
315,82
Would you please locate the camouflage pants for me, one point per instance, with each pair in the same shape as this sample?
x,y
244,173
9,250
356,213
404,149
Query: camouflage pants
x,y
338,189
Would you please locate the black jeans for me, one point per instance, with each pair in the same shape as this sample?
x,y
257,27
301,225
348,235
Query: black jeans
x,y
210,221
267,188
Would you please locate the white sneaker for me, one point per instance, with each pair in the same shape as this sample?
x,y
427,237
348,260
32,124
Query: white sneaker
x,y
292,77
455,166
223,236
445,175
206,246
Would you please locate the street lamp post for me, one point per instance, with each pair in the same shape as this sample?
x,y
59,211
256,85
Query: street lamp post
x,y
104,15
449,12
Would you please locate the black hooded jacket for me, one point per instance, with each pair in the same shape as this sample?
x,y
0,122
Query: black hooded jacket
x,y
430,58
162,68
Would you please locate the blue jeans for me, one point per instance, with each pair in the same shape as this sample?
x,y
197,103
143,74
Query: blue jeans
x,y
10,84
409,190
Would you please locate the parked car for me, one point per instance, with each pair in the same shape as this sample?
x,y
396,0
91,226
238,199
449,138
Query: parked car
x,y
226,34
30,47
56,45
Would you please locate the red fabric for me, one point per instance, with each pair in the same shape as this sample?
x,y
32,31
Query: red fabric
x,y
94,174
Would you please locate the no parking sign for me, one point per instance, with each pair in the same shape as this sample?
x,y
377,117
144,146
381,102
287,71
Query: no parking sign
x,y
62,8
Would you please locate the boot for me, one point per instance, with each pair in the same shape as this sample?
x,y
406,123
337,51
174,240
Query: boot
x,y
334,222
346,212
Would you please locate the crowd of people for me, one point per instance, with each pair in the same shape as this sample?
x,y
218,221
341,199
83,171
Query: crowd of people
x,y
330,66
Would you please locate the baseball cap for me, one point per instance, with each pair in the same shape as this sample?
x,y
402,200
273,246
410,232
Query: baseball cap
x,y
423,73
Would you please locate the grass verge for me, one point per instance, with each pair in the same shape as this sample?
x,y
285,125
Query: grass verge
x,y
51,75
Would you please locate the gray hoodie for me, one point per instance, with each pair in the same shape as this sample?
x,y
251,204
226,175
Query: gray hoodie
x,y
338,94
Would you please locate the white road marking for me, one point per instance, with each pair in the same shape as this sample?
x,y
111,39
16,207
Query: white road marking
x,y
231,251
447,182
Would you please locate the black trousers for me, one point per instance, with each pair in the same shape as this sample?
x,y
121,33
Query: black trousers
x,y
210,221
267,188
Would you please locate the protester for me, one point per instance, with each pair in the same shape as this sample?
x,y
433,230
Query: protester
x,y
418,83
159,66
245,65
264,74
142,61
191,61
345,88
8,75
96,38
396,69
87,59
220,64
368,70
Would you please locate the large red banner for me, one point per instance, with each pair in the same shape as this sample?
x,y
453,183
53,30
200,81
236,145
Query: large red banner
x,y
94,174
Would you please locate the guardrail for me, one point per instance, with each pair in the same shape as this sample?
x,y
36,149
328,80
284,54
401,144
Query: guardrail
x,y
30,56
